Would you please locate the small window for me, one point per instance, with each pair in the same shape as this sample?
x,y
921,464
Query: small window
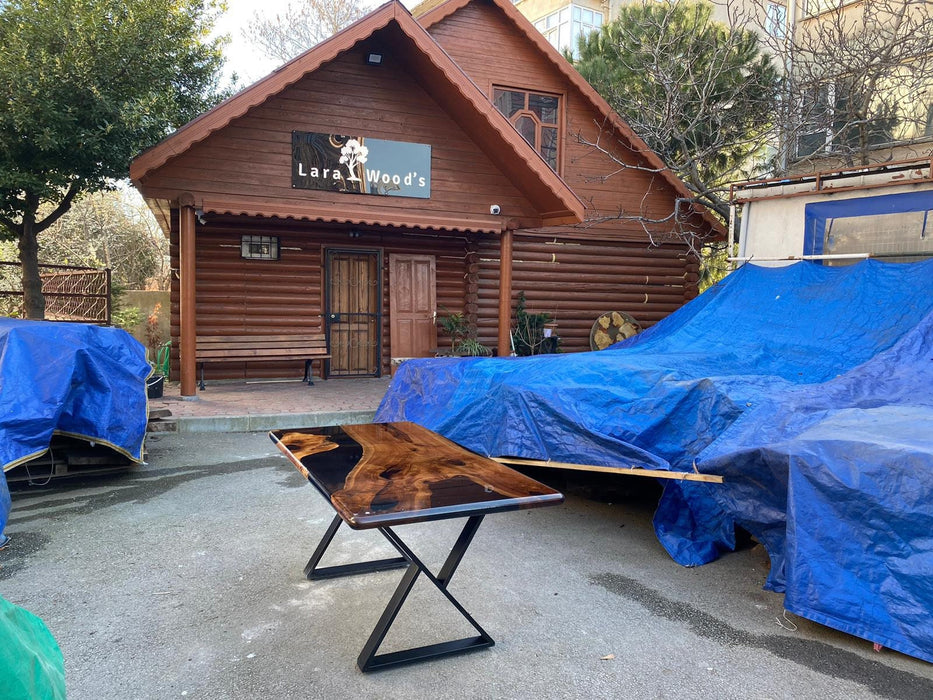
x,y
259,247
535,116
928,129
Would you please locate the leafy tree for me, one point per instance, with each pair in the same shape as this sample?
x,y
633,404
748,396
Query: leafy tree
x,y
106,229
700,94
87,85
301,26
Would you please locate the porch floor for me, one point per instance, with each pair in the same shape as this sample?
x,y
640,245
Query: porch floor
x,y
257,405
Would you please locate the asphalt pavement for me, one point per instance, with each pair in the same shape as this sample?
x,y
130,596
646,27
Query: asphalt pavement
x,y
183,578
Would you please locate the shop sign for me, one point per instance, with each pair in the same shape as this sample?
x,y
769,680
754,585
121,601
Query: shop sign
x,y
359,165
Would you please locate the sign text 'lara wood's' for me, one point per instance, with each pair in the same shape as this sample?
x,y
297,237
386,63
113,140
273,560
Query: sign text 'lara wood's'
x,y
360,165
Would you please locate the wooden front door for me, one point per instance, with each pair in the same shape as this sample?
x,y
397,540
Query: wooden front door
x,y
353,312
412,305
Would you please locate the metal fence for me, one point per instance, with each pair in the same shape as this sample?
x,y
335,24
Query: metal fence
x,y
71,293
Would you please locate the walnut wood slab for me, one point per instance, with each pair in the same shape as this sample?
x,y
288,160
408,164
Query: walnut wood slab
x,y
383,474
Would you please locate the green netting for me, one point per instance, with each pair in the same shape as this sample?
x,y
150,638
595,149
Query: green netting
x,y
31,664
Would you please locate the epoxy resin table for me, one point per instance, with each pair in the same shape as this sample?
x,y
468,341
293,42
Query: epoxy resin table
x,y
380,475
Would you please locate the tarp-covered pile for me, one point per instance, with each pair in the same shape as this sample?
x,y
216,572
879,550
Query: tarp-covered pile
x,y
69,379
810,388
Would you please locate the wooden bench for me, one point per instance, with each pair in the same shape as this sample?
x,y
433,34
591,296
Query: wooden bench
x,y
262,348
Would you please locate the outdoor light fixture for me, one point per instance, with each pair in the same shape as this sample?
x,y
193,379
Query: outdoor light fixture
x,y
374,59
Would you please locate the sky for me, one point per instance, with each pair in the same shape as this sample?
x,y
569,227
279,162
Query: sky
x,y
249,64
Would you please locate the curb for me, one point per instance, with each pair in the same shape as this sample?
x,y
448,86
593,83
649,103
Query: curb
x,y
261,422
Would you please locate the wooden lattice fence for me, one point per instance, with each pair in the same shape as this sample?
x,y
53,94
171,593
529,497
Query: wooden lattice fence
x,y
71,293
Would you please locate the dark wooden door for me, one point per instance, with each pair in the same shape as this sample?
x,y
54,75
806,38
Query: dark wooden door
x,y
412,305
353,315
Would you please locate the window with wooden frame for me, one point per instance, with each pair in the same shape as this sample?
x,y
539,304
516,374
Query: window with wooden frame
x,y
536,116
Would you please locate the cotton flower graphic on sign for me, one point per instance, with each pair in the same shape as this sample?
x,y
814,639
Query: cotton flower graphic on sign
x,y
353,155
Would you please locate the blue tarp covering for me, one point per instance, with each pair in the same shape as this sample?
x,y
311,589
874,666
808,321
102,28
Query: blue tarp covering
x,y
731,382
71,379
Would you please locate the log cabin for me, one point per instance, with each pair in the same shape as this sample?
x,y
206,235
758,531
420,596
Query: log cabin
x,y
410,165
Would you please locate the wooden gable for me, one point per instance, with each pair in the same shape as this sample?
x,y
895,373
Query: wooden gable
x,y
512,54
247,166
236,159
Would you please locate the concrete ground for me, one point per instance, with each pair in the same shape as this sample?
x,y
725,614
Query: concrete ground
x,y
183,578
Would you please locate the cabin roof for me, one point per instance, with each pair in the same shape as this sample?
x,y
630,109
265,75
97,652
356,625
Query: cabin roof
x,y
449,86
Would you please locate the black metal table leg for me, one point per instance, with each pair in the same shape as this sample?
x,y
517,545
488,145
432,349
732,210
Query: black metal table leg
x,y
369,660
364,567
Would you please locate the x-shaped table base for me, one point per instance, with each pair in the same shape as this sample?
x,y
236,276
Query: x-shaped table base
x,y
369,660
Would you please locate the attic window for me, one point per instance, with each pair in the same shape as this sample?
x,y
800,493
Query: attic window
x,y
259,247
536,116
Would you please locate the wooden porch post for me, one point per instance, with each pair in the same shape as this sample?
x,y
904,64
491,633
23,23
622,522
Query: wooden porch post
x,y
505,293
186,288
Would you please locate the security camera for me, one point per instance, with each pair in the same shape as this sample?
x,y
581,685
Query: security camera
x,y
495,209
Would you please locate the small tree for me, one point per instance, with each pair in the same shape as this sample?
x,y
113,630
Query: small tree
x,y
462,334
301,26
528,336
85,86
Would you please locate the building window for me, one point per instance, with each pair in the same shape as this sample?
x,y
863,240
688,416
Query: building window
x,y
928,129
535,116
564,27
816,133
776,20
830,124
815,7
259,247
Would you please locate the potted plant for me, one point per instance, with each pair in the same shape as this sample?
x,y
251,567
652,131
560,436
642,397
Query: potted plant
x,y
535,333
155,384
462,335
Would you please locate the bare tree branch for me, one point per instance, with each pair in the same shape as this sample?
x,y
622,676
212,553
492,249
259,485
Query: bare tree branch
x,y
859,81
302,25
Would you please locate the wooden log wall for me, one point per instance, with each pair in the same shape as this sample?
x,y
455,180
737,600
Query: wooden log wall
x,y
573,279
576,280
240,297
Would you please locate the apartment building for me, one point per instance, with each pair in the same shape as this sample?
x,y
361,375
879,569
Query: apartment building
x,y
860,91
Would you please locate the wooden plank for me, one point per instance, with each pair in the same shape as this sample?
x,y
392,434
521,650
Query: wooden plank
x,y
631,471
290,340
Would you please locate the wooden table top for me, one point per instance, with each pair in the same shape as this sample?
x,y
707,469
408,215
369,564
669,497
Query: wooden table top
x,y
381,474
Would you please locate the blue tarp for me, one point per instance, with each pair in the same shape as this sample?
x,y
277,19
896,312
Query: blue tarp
x,y
836,481
757,361
69,379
